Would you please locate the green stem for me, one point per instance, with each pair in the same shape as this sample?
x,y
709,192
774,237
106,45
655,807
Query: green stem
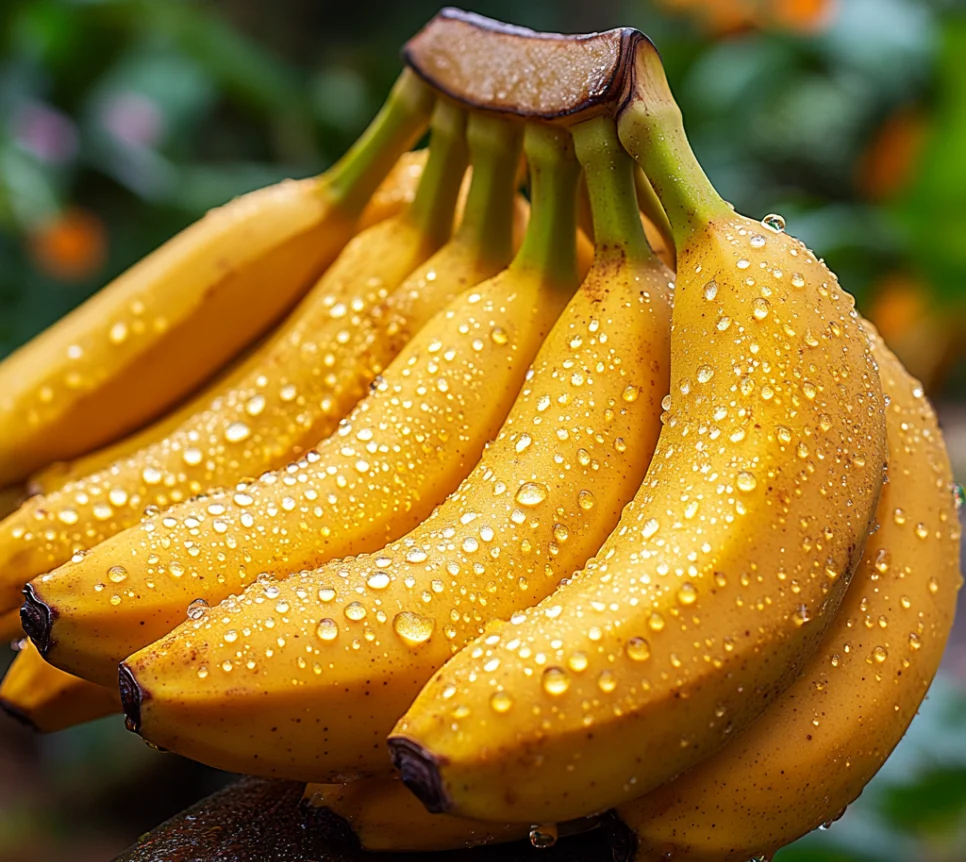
x,y
432,209
650,205
652,131
550,244
487,225
351,181
610,185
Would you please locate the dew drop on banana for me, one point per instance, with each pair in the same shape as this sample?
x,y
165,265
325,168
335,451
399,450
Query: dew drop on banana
x,y
555,681
413,629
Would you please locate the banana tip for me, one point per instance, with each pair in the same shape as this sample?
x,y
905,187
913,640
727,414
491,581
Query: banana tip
x,y
131,696
419,771
37,618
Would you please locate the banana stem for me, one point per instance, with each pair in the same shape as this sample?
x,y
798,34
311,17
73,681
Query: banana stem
x,y
550,244
651,129
650,205
351,181
432,209
610,186
487,225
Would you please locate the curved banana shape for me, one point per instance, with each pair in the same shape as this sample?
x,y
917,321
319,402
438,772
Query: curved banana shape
x,y
384,815
297,388
304,678
48,699
395,192
166,324
813,751
398,454
725,569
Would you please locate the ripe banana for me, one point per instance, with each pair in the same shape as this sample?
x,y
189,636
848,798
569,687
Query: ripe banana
x,y
384,815
725,569
398,454
48,699
395,192
304,678
298,387
166,324
813,751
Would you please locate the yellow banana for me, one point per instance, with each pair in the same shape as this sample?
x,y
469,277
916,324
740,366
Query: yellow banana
x,y
400,451
10,498
395,192
384,815
48,699
166,324
725,569
305,379
813,751
305,677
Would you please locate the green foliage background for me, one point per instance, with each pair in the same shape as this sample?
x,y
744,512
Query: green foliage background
x,y
145,113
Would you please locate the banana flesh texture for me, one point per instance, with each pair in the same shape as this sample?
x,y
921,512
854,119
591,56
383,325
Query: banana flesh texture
x,y
384,815
393,194
48,699
371,630
719,581
813,751
399,453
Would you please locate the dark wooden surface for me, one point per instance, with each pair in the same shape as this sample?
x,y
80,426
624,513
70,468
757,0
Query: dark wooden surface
x,y
255,820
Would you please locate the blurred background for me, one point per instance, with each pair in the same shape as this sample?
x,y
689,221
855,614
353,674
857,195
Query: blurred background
x,y
121,121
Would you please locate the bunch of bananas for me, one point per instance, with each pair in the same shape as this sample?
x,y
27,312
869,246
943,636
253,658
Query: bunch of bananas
x,y
570,531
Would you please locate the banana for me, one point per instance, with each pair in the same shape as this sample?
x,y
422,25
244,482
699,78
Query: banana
x,y
305,379
161,328
384,815
395,192
725,569
305,677
10,498
48,699
400,451
813,751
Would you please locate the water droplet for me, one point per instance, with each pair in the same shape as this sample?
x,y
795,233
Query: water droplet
x,y
560,533
711,290
197,609
757,241
236,432
607,681
543,835
555,680
415,555
655,622
413,629
743,263
915,642
959,495
328,630
578,662
798,280
531,494
68,516
746,481
879,654
585,499
355,611
638,649
631,393
118,333
117,574
501,702
523,442
775,222
650,527
255,405
378,580
499,335
687,594
760,308
151,476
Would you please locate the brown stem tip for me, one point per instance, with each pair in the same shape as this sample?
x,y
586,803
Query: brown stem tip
x,y
37,618
419,771
131,697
